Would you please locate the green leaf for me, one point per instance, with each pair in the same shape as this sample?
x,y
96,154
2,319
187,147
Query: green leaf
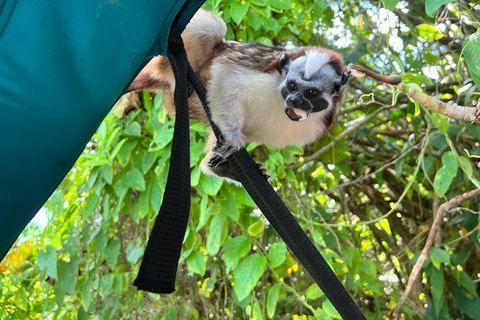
x,y
437,282
144,203
277,254
106,284
313,292
247,275
272,299
281,4
264,11
134,251
238,11
211,185
265,41
161,140
471,307
147,161
195,176
471,52
257,311
134,179
230,207
118,285
442,181
467,282
255,229
47,261
91,205
390,4
428,32
450,163
214,209
21,300
320,314
276,157
214,239
87,293
68,274
156,195
259,2
440,254
133,129
234,249
330,310
441,122
124,153
94,159
107,173
431,6
112,252
242,195
196,263
117,148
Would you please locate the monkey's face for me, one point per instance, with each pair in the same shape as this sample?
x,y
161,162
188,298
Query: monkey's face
x,y
311,84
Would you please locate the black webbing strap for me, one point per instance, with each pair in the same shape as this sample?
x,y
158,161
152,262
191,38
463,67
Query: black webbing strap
x,y
157,272
292,234
160,262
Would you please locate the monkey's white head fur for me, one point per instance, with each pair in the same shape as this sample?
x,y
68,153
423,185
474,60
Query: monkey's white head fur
x,y
315,61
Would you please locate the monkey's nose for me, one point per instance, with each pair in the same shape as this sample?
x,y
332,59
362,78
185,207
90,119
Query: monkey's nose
x,y
294,102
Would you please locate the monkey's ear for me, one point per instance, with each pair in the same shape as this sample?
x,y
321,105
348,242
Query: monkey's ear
x,y
339,83
284,62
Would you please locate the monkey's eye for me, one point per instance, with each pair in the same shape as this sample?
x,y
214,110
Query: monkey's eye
x,y
310,92
292,85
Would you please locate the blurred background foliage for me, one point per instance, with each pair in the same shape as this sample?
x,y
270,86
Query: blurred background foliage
x,y
366,193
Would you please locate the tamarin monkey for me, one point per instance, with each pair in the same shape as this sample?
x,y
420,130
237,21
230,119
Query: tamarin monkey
x,y
255,93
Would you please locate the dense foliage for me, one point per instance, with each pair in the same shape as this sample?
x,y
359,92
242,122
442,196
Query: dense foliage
x,y
366,193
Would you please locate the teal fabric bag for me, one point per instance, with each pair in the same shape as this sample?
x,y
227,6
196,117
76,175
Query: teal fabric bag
x,y
63,64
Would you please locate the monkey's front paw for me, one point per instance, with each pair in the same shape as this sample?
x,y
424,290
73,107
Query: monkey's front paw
x,y
216,160
223,151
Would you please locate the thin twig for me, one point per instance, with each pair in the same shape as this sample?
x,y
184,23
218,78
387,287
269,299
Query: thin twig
x,y
342,135
442,210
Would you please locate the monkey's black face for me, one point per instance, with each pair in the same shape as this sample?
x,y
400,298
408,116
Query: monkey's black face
x,y
310,85
302,99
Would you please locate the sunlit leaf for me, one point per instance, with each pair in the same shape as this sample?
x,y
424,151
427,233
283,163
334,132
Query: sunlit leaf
x,y
277,254
314,292
214,240
247,274
238,11
255,229
428,32
234,249
281,4
196,263
272,299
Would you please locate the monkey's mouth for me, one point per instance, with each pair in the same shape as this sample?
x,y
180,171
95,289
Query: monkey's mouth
x,y
295,114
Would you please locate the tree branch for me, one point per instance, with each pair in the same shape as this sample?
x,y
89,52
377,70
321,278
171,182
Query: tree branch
x,y
442,210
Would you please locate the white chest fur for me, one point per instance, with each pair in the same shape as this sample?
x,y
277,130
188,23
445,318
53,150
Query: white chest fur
x,y
251,102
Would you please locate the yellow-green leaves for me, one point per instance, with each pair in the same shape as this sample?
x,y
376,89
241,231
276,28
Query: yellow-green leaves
x,y
428,32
